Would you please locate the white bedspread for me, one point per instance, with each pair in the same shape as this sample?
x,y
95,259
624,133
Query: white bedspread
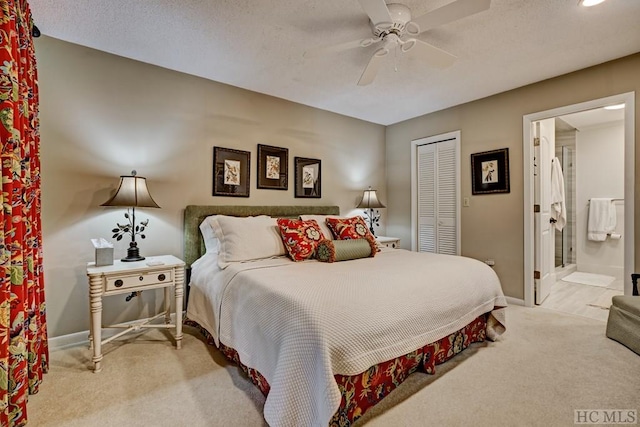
x,y
300,323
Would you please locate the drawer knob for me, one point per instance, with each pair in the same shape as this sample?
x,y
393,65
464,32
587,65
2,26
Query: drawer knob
x,y
141,278
119,283
161,277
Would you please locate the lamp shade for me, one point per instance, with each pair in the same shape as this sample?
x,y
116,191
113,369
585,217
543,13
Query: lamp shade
x,y
132,192
370,200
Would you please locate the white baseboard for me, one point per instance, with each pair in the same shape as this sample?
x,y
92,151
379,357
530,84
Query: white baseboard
x,y
82,338
609,270
70,340
515,301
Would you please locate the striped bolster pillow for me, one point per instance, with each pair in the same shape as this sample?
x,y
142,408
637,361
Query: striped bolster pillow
x,y
344,250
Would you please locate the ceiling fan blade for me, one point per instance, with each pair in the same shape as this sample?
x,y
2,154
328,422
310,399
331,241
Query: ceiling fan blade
x,y
437,58
377,11
451,12
324,50
373,66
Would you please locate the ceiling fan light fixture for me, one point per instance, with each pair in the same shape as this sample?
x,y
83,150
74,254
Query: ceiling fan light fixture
x,y
589,3
391,23
412,28
405,46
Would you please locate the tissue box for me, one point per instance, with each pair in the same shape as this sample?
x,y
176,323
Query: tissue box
x,y
104,256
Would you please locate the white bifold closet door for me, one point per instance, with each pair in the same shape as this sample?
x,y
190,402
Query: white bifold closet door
x,y
437,198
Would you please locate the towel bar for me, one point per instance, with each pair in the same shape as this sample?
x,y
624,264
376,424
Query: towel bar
x,y
613,200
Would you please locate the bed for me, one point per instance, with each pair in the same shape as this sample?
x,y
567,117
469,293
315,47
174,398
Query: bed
x,y
326,341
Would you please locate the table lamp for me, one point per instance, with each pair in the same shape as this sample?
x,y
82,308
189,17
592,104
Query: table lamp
x,y
369,202
132,193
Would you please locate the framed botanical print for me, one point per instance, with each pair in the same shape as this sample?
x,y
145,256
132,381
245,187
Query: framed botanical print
x,y
273,167
231,170
308,179
490,172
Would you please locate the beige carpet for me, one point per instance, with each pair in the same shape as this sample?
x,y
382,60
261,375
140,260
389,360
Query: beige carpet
x,y
546,365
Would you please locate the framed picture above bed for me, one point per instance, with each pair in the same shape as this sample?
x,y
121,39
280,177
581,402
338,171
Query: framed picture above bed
x,y
308,179
490,172
231,170
273,167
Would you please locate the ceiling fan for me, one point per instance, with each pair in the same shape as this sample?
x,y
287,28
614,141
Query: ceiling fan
x,y
393,27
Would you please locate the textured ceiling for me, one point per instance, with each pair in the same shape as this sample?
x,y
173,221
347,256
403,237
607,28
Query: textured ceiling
x,y
259,45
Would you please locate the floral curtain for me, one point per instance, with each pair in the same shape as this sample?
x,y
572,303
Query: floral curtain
x,y
23,331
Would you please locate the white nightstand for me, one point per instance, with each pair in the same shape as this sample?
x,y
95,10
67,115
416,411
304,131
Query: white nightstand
x,y
126,277
390,242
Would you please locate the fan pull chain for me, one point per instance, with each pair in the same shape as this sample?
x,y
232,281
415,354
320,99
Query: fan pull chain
x,y
395,59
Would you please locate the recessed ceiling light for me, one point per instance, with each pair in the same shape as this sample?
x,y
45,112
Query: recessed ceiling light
x,y
589,3
614,107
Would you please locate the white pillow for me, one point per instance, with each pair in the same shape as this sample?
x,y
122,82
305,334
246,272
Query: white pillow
x,y
321,220
247,238
211,242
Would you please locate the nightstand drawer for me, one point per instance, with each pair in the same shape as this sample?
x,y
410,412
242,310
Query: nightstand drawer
x,y
137,280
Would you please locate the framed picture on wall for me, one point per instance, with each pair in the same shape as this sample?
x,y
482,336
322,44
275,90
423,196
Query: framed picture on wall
x,y
490,172
273,167
308,178
231,170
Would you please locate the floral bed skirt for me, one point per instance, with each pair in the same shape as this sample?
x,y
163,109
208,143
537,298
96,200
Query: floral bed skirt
x,y
361,392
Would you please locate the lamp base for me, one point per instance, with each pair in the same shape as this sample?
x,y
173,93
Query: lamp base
x,y
133,253
131,259
372,219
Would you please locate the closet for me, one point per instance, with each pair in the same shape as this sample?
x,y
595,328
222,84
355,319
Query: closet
x,y
435,194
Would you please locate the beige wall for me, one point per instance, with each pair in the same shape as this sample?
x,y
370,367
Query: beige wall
x,y
103,115
600,172
492,226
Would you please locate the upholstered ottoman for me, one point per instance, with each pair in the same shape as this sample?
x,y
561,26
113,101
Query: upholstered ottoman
x,y
624,321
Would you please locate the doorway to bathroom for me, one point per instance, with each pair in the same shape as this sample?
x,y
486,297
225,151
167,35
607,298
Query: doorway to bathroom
x,y
566,268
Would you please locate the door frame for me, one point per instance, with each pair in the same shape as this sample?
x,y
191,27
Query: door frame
x,y
455,135
629,183
545,130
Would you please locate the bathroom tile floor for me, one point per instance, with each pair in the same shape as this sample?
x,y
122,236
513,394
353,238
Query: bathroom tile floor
x,y
583,300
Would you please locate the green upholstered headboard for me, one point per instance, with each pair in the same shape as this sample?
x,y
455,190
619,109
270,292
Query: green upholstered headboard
x,y
194,215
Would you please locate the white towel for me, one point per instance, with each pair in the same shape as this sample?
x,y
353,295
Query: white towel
x,y
558,204
602,219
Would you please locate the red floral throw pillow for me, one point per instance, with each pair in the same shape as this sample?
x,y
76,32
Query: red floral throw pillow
x,y
300,237
349,228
